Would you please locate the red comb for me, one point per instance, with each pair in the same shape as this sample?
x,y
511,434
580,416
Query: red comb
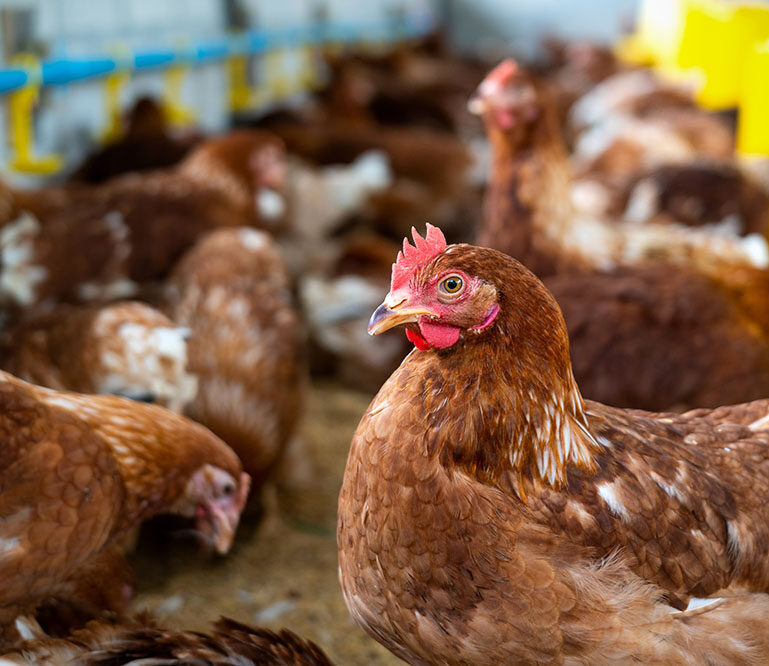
x,y
500,76
414,257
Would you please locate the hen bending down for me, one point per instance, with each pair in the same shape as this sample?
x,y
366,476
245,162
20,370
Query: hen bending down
x,y
78,473
489,515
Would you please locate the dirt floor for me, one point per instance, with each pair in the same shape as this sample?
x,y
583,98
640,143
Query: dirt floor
x,y
283,571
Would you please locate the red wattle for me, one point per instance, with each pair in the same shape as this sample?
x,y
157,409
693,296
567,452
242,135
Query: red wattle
x,y
418,340
438,335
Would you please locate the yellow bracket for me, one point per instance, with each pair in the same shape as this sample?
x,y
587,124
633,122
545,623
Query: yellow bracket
x,y
277,81
177,113
309,75
240,90
752,128
21,104
113,87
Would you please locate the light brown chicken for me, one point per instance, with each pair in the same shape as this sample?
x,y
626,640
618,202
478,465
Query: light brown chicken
x,y
233,292
490,515
79,472
125,348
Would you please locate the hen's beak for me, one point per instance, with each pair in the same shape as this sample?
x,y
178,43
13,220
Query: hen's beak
x,y
477,105
220,520
385,318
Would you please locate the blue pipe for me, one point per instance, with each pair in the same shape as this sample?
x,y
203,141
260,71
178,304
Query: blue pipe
x,y
66,70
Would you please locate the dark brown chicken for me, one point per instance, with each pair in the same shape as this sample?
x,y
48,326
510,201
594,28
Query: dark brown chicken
x,y
147,144
490,515
143,641
134,227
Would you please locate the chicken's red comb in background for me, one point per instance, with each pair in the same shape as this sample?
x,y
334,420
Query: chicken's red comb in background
x,y
499,77
416,256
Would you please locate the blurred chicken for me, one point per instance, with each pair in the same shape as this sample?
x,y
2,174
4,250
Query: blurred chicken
x,y
127,349
323,199
338,302
430,169
79,473
232,290
489,515
102,241
529,212
697,194
404,88
143,641
574,69
147,144
667,339
634,122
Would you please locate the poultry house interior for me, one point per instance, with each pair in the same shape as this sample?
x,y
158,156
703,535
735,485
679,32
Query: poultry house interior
x,y
360,333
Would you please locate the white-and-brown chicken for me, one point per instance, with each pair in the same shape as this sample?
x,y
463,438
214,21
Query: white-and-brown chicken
x,y
126,348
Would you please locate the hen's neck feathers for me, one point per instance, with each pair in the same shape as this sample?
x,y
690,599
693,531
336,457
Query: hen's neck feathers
x,y
502,405
529,195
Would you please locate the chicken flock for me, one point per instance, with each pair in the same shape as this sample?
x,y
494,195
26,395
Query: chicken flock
x,y
593,249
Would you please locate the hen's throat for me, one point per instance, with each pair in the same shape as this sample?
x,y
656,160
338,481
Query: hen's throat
x,y
505,412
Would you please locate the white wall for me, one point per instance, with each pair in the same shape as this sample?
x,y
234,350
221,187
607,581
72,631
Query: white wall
x,y
521,24
71,118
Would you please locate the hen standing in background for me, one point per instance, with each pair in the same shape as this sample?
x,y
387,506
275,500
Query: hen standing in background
x,y
489,515
528,211
103,241
650,336
126,348
246,347
79,473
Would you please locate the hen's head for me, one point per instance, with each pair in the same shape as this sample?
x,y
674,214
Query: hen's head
x,y
215,498
509,100
444,295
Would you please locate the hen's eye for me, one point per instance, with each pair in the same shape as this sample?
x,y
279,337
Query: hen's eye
x,y
452,284
228,489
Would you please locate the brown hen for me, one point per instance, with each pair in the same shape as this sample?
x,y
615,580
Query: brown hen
x,y
79,472
233,291
125,348
490,515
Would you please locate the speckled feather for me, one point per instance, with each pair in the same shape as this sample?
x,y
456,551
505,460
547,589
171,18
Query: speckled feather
x,y
126,348
456,547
